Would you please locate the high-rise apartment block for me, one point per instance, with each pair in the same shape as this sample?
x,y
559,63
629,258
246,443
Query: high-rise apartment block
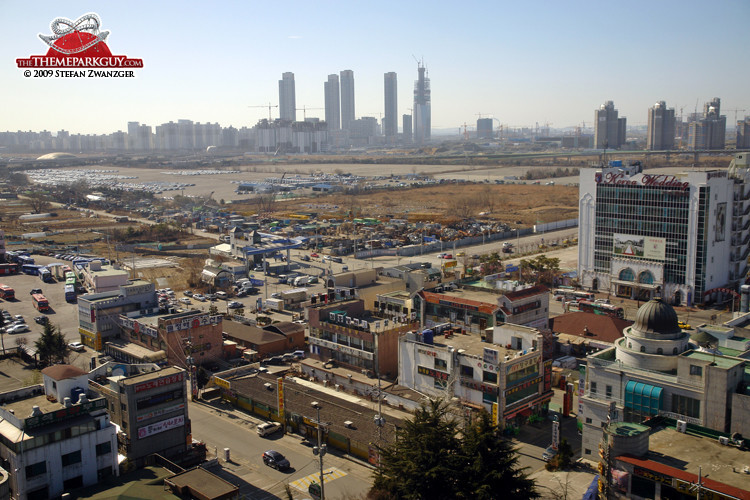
x,y
708,131
332,102
484,128
390,123
422,114
287,100
609,130
347,98
406,127
661,127
743,133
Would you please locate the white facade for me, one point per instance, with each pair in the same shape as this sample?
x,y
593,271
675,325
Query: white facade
x,y
643,235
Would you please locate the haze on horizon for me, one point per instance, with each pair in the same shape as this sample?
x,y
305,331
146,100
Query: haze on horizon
x,y
547,62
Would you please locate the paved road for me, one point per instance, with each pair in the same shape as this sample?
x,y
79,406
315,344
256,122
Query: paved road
x,y
234,429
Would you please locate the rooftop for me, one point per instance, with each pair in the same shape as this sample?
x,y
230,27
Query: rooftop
x,y
720,361
677,455
589,326
202,484
145,377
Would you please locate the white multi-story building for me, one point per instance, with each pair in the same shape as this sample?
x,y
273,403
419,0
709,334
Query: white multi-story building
x,y
51,443
678,236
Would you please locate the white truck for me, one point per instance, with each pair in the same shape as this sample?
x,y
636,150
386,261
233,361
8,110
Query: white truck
x,y
292,298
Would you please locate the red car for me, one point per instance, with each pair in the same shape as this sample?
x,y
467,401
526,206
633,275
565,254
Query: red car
x,y
314,255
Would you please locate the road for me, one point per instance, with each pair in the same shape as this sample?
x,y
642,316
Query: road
x,y
234,429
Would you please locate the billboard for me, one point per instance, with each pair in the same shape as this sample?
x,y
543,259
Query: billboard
x,y
640,247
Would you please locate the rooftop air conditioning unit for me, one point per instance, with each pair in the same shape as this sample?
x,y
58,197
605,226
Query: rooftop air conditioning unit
x,y
681,426
268,386
723,440
349,424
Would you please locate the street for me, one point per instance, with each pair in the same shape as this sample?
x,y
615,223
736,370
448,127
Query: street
x,y
221,426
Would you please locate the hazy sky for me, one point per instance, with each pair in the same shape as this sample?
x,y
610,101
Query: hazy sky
x,y
520,62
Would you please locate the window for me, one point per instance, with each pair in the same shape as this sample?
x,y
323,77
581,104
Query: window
x,y
489,377
608,391
696,370
103,448
71,458
489,398
441,364
659,351
592,388
686,406
587,451
643,348
36,469
123,407
467,371
588,420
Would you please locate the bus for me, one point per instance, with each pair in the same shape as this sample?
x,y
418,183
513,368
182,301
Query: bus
x,y
40,302
45,274
70,292
603,309
568,294
25,259
31,269
7,292
8,268
70,276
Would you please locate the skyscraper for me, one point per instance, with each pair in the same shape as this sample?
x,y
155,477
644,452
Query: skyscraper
x,y
609,130
743,133
390,123
347,98
709,131
287,100
422,115
661,127
332,102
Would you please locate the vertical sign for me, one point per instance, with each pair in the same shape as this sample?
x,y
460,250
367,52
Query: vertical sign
x,y
555,434
280,391
495,415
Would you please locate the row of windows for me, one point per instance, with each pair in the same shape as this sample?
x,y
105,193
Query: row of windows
x,y
68,459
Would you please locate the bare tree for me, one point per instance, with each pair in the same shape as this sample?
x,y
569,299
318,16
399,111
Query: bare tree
x,y
39,204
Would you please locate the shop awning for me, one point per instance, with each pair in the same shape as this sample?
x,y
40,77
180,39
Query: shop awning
x,y
643,398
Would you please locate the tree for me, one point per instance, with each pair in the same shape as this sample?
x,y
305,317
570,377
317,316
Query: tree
x,y
51,346
39,203
430,459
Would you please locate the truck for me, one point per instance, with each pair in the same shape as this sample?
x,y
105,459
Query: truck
x,y
274,304
292,298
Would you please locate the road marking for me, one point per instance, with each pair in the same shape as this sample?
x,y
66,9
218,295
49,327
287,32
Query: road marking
x,y
328,476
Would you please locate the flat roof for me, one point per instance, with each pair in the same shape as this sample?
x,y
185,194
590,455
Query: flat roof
x,y
202,482
471,344
144,377
687,453
720,361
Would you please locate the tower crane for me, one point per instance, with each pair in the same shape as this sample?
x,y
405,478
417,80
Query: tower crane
x,y
735,113
269,106
304,111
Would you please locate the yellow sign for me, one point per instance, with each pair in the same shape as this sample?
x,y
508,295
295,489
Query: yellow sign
x,y
494,414
221,382
280,390
451,263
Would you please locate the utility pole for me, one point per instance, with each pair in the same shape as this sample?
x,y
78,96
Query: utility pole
x,y
320,450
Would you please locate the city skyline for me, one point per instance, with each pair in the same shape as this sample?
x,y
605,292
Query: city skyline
x,y
517,64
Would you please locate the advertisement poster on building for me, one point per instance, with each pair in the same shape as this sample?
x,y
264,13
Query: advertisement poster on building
x,y
721,220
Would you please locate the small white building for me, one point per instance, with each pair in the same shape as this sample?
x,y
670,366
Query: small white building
x,y
54,438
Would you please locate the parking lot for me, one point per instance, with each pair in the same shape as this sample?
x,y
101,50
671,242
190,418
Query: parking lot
x,y
61,313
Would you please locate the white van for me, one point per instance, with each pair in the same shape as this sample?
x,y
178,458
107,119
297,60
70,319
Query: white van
x,y
300,280
221,295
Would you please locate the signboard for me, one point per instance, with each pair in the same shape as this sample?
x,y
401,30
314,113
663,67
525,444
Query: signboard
x,y
490,356
422,370
523,386
341,348
159,412
479,386
428,353
194,322
158,427
555,434
160,382
648,180
280,392
530,306
641,247
65,413
522,364
221,382
495,414
137,327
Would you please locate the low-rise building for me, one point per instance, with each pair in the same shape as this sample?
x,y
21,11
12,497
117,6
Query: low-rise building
x,y
150,407
56,436
268,341
103,278
98,312
505,368
578,333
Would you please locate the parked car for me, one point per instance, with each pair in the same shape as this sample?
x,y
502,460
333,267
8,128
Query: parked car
x,y
19,319
77,346
235,305
185,300
18,328
276,295
199,297
274,459
42,320
312,280
314,255
35,290
222,295
683,325
187,293
268,428
306,258
298,355
549,453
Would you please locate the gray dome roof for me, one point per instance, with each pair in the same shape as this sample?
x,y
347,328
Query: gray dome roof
x,y
656,317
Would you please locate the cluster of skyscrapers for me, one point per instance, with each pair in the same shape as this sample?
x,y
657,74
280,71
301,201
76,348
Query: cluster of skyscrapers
x,y
702,131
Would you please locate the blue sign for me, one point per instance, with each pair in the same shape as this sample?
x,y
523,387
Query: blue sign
x,y
511,269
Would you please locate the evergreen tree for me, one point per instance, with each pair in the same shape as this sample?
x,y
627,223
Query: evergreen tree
x,y
51,346
433,459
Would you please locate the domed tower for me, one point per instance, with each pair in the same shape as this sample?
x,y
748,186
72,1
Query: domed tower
x,y
654,340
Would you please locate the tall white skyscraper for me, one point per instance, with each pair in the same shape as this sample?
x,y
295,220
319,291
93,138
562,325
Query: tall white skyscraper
x,y
332,102
422,117
287,100
390,123
347,98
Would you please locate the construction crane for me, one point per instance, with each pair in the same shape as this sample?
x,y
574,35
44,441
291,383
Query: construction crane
x,y
304,111
269,106
735,113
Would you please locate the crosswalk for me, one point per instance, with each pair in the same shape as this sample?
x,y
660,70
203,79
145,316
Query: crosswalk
x,y
328,475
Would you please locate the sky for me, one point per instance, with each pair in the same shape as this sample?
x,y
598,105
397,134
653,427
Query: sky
x,y
518,62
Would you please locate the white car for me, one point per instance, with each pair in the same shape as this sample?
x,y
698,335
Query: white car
x,y
77,346
268,428
199,297
19,328
185,300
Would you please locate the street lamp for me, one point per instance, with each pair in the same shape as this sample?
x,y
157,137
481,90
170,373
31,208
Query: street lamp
x,y
320,450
